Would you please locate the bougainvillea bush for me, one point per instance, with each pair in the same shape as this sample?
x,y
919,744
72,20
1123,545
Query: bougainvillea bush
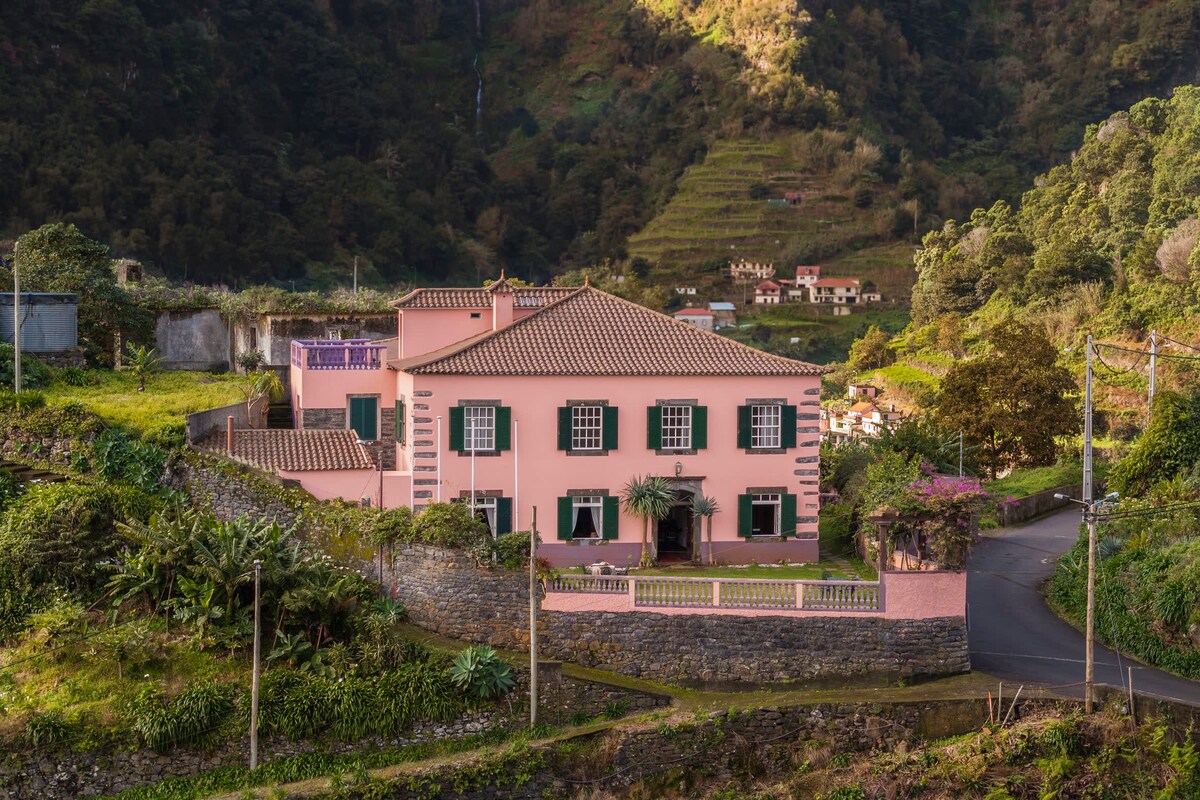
x,y
948,510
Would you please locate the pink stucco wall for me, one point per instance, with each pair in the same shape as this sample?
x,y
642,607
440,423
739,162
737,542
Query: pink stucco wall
x,y
329,388
545,473
346,484
423,330
907,595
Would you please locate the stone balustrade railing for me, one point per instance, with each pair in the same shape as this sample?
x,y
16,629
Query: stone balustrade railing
x,y
338,354
796,595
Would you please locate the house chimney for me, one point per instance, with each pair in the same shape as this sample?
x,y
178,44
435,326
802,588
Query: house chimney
x,y
229,434
502,303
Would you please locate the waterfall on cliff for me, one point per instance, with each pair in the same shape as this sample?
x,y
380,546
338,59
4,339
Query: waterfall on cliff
x,y
478,73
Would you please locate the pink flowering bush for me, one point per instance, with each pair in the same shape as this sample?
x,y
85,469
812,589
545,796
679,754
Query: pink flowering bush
x,y
948,509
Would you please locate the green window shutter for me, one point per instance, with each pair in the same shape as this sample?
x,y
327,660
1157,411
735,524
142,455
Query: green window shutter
x,y
503,515
787,418
503,428
364,417
458,427
608,431
654,427
787,515
612,518
564,428
564,518
745,513
699,427
743,436
400,432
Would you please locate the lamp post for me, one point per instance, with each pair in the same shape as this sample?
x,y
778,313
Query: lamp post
x,y
254,678
16,322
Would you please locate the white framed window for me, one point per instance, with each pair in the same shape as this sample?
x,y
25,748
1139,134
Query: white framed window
x,y
765,426
586,517
479,428
676,427
586,426
765,514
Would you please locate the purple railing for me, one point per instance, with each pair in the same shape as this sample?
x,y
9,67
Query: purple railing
x,y
338,354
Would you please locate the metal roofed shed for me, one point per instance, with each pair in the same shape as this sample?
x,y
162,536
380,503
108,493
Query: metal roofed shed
x,y
49,321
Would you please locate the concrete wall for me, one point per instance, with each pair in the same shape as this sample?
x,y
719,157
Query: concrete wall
x,y
446,592
1035,505
193,339
276,331
203,423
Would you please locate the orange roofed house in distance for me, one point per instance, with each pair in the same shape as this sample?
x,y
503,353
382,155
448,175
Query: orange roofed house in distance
x,y
514,397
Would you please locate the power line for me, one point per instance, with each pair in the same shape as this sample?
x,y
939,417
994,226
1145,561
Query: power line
x,y
1176,341
1138,352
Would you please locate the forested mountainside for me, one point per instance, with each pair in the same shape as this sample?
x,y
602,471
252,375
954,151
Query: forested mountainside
x,y
276,140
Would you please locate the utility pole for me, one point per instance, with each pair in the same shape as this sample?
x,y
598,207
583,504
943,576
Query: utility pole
x,y
533,643
254,675
16,323
1153,368
356,276
1090,518
960,452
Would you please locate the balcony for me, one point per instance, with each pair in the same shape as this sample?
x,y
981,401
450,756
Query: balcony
x,y
338,354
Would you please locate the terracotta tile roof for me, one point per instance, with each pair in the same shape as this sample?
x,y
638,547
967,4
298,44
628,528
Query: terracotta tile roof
x,y
862,407
800,270
594,333
845,282
693,312
525,297
767,285
296,450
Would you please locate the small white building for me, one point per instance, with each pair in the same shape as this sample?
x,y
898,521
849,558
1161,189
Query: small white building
x,y
807,275
702,319
685,290
750,270
862,390
842,291
768,293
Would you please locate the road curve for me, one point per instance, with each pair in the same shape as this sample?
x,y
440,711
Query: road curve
x,y
1016,637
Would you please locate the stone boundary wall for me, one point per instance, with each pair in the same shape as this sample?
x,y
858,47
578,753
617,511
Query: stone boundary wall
x,y
1036,504
444,591
223,491
60,775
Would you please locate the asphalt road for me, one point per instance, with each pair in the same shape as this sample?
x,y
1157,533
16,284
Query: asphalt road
x,y
1016,637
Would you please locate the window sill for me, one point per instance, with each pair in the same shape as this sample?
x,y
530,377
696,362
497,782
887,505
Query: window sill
x,y
691,451
586,452
480,453
765,451
589,540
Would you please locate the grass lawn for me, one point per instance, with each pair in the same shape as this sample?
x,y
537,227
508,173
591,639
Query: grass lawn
x,y
168,399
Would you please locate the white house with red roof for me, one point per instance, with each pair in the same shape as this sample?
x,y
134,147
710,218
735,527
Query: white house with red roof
x,y
769,292
842,291
807,275
514,398
702,318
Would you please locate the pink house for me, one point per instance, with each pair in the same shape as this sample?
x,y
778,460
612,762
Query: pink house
x,y
516,399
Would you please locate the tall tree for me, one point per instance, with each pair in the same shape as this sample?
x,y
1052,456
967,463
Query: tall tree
x,y
871,351
59,258
1013,402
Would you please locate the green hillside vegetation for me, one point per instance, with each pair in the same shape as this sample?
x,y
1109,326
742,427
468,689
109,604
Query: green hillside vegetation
x,y
224,144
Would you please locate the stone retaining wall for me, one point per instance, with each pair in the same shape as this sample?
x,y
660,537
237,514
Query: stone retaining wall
x,y
724,747
446,592
50,774
223,490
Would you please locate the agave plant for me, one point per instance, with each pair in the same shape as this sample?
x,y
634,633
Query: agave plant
x,y
704,506
480,673
650,498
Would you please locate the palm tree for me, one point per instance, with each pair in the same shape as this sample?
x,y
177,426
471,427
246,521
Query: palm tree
x,y
703,506
143,362
257,385
650,497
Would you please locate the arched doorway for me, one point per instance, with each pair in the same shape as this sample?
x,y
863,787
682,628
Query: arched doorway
x,y
675,537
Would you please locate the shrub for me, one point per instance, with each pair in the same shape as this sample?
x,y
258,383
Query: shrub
x,y
191,718
46,729
34,374
512,549
480,673
25,401
74,376
448,525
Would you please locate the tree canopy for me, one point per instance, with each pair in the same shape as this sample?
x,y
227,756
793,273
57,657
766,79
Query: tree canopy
x,y
1013,402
